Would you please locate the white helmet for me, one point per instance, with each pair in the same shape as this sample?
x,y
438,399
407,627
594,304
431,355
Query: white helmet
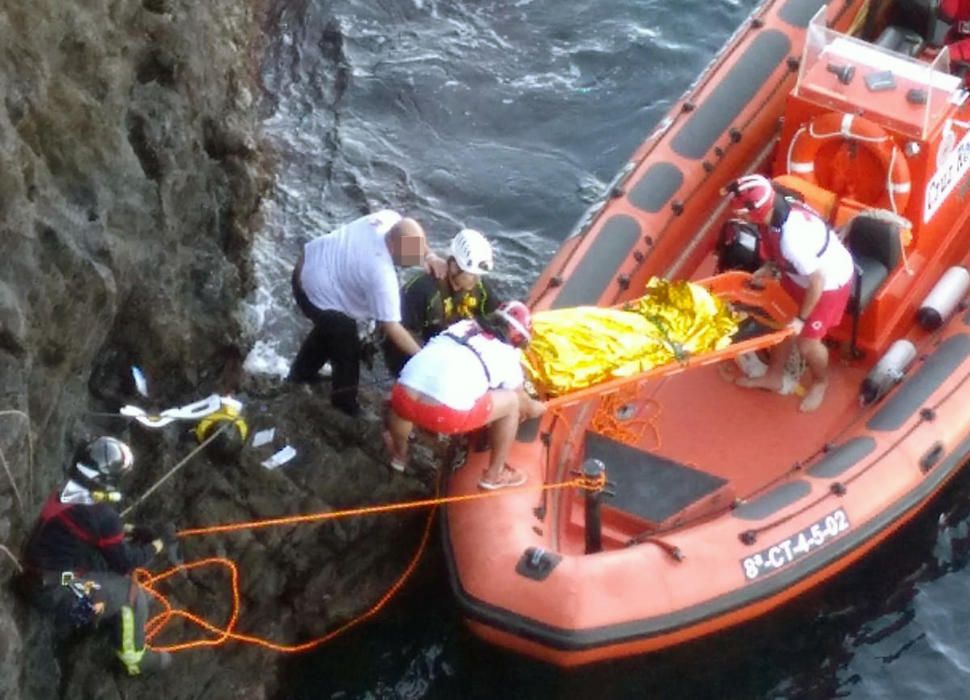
x,y
472,251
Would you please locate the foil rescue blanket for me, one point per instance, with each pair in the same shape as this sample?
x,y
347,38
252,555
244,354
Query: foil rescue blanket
x,y
579,347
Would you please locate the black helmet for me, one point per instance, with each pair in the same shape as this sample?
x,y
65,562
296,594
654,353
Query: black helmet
x,y
737,247
99,465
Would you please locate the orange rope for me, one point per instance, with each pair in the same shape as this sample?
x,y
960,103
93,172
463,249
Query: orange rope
x,y
220,635
365,510
606,420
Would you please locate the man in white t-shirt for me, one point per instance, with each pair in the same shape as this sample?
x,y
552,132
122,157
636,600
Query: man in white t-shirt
x,y
466,377
816,269
348,276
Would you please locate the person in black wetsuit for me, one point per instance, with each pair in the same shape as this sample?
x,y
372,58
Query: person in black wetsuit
x,y
79,556
429,305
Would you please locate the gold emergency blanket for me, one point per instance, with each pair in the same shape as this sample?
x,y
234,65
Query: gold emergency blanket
x,y
579,347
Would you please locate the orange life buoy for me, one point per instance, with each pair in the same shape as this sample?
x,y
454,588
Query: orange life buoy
x,y
806,142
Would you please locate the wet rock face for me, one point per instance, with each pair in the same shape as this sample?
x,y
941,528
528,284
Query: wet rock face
x,y
129,181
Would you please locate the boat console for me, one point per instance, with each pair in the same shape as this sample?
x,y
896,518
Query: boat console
x,y
868,128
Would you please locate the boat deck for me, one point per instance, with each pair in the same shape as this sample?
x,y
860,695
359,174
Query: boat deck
x,y
738,442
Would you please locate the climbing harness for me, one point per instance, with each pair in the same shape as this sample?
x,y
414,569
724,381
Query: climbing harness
x,y
464,340
83,611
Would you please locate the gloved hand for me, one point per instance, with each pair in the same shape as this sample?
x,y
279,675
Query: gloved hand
x,y
166,539
796,324
767,271
141,533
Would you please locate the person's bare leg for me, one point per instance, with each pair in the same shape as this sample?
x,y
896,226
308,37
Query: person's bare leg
x,y
772,379
503,423
528,406
400,431
817,358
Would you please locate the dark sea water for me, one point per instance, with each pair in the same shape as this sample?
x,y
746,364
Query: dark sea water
x,y
511,116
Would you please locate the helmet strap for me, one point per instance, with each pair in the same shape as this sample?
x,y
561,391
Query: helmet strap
x,y
106,496
99,493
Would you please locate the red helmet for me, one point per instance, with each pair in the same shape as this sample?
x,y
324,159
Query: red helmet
x,y
518,318
752,196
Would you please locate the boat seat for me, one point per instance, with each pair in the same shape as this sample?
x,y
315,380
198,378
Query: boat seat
x,y
876,247
901,40
909,18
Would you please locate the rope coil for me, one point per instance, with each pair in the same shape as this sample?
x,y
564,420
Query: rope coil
x,y
221,634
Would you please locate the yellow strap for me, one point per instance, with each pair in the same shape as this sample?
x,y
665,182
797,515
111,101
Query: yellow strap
x,y
129,656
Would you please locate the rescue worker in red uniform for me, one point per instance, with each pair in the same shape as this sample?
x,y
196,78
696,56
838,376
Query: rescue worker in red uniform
x,y
79,556
465,378
816,270
957,13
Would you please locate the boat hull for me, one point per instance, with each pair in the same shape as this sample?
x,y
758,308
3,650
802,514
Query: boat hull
x,y
728,503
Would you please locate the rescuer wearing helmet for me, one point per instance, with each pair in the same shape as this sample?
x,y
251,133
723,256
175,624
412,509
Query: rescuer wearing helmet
x,y
466,377
429,305
348,276
79,556
816,271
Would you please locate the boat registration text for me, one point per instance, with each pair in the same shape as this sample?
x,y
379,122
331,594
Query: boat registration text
x,y
796,546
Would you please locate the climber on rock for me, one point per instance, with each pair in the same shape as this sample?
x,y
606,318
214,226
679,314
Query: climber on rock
x,y
79,556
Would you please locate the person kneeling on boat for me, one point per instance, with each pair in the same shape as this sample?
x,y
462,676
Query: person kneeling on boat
x,y
816,271
464,378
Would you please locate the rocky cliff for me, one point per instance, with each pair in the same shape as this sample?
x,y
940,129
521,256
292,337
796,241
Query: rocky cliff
x,y
130,182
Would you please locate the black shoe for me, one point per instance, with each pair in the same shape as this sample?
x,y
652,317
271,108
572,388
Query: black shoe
x,y
352,410
151,662
154,661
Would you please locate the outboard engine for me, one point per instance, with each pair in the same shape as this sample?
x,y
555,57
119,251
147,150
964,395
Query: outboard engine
x,y
737,248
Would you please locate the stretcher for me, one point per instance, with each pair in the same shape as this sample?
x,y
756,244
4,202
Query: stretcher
x,y
763,300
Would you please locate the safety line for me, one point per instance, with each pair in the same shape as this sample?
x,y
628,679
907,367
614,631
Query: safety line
x,y
30,460
16,562
371,510
179,465
220,635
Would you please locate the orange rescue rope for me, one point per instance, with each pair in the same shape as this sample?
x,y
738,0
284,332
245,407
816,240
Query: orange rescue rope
x,y
222,634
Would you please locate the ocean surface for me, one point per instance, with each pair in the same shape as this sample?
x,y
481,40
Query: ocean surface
x,y
511,116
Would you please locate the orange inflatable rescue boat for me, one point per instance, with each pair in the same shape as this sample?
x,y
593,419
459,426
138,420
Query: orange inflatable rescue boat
x,y
720,503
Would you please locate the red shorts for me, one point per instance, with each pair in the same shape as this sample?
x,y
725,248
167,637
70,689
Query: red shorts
x,y
438,418
828,311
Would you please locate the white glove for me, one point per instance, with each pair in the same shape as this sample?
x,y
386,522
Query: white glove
x,y
796,324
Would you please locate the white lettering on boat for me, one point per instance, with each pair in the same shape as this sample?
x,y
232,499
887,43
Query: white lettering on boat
x,y
796,546
946,177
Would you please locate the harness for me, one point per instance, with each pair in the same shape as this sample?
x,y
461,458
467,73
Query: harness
x,y
772,241
55,510
463,340
445,307
81,612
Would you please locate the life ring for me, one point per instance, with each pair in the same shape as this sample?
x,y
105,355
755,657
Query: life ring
x,y
807,141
